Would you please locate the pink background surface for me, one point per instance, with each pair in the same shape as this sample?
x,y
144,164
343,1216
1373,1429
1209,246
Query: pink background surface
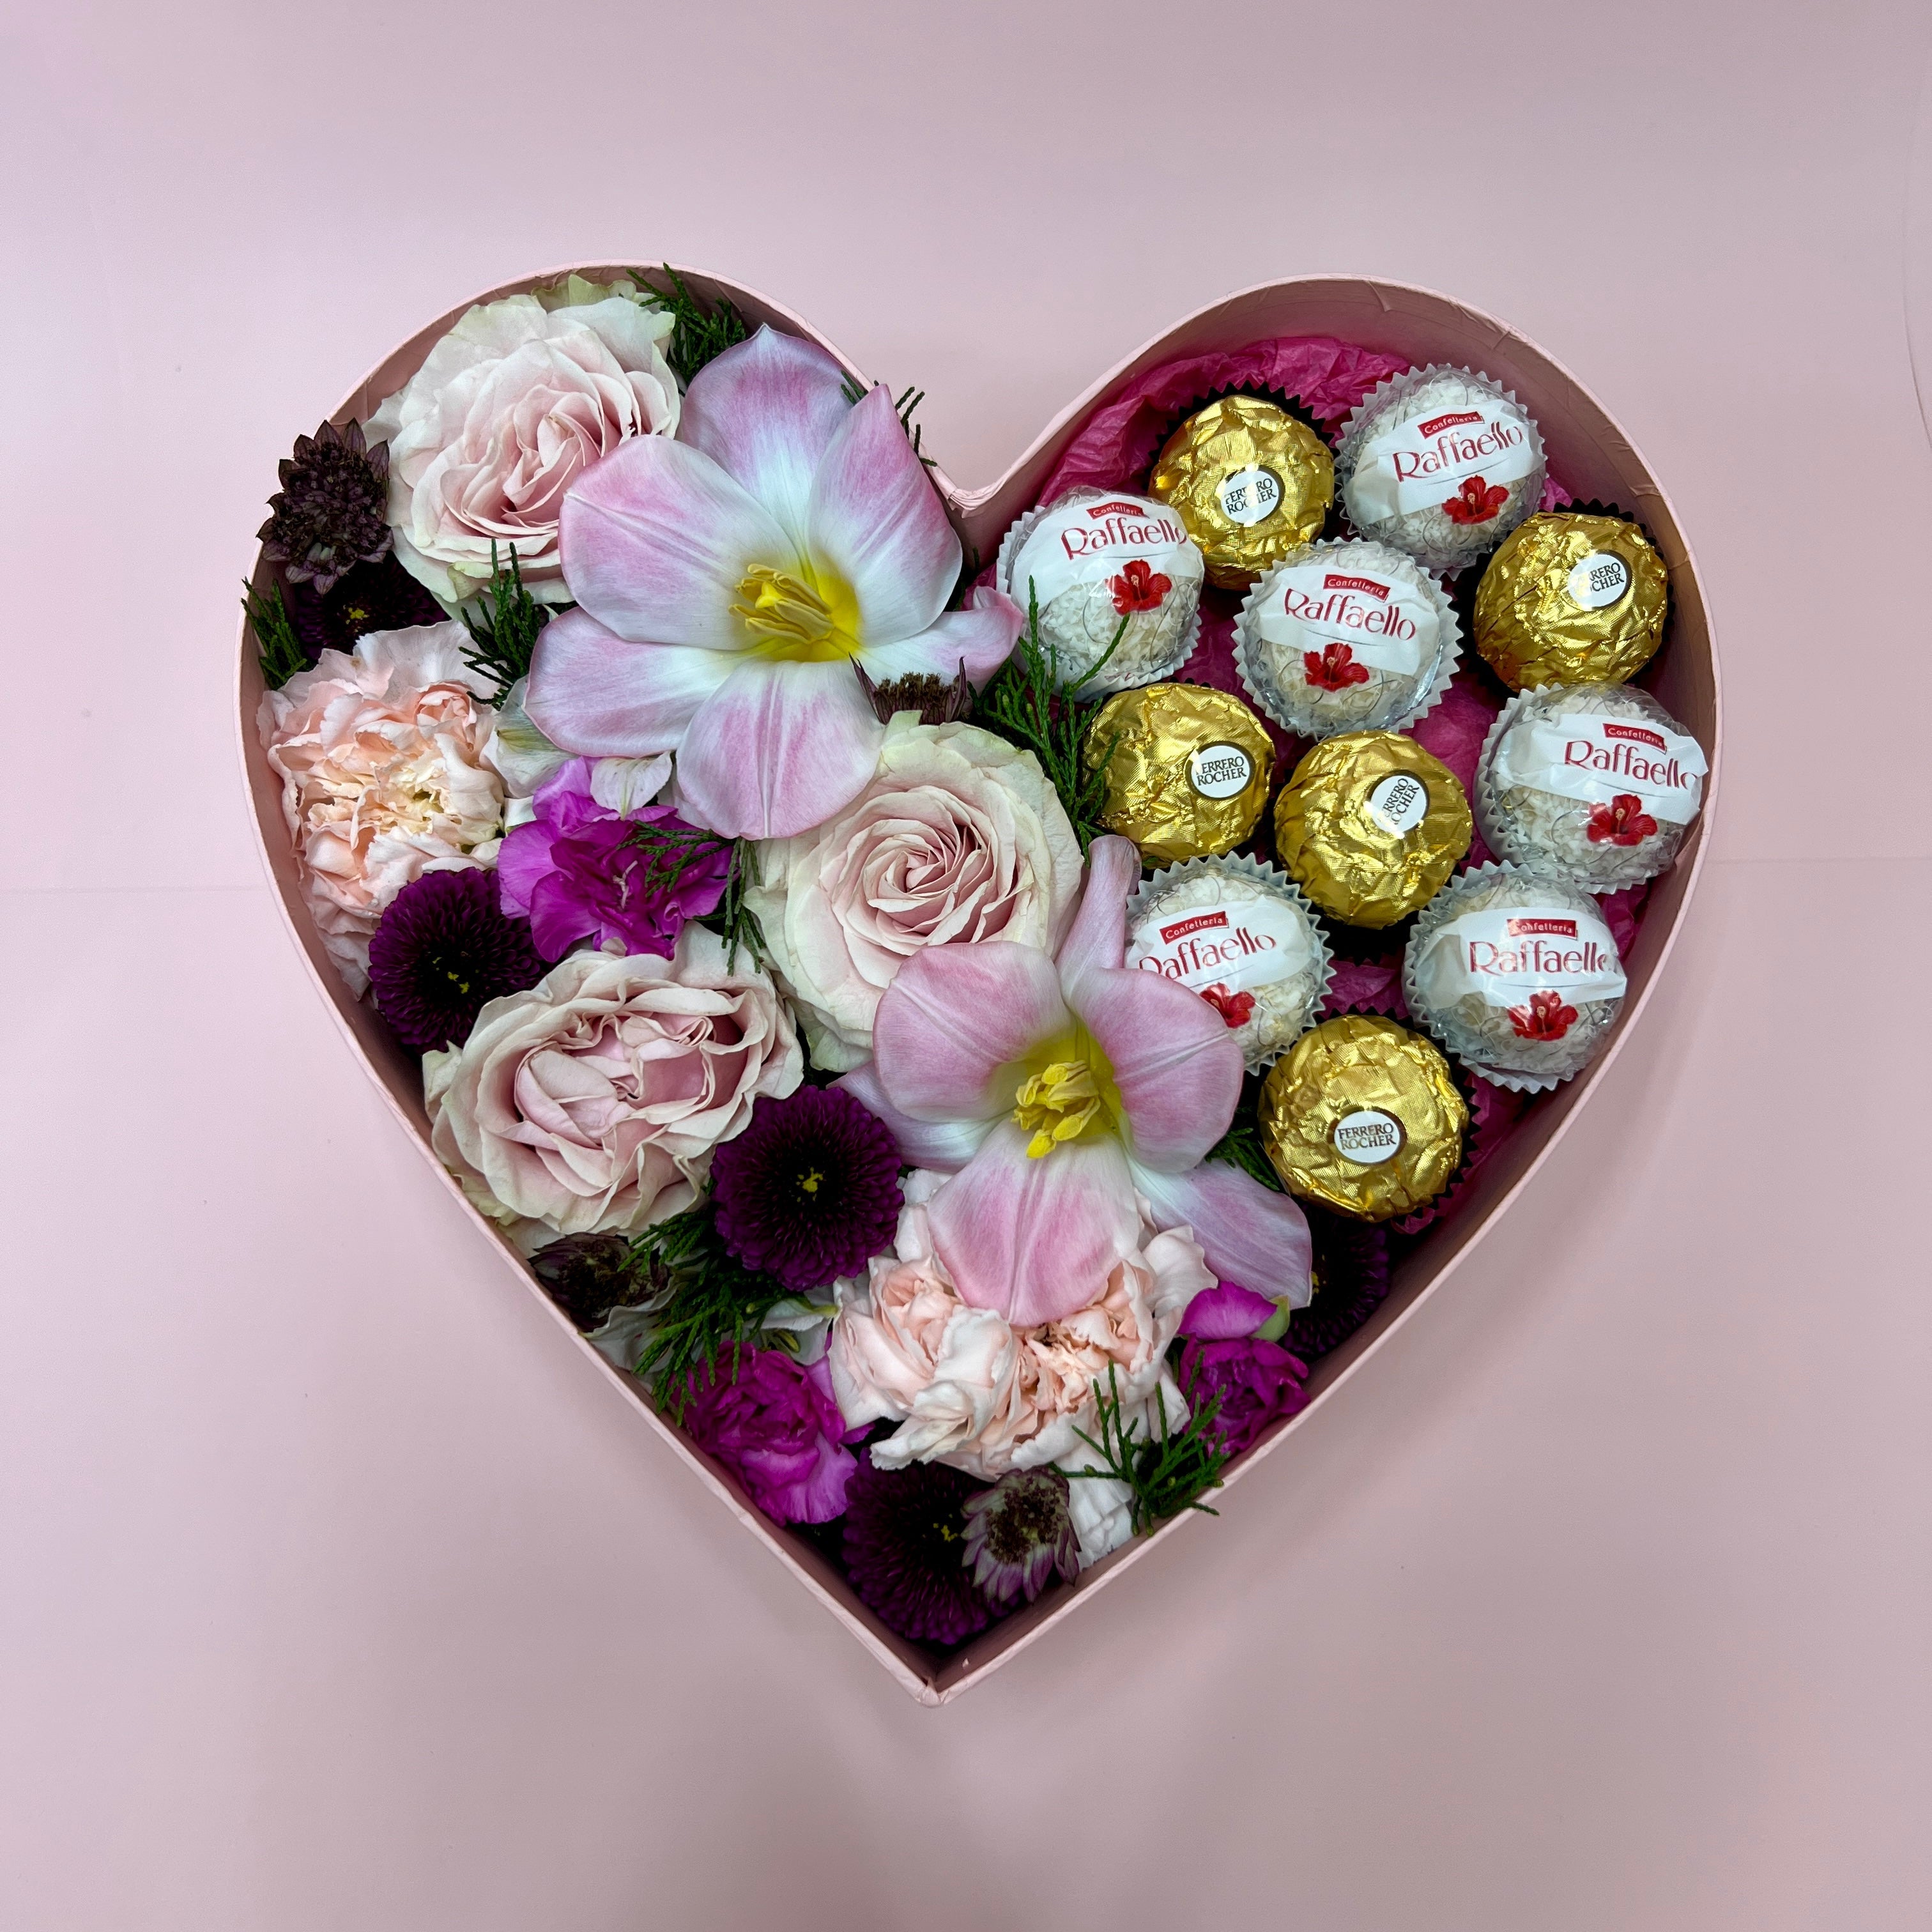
x,y
338,1593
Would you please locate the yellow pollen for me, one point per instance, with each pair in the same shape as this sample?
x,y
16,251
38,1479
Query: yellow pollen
x,y
791,616
809,1182
1057,1104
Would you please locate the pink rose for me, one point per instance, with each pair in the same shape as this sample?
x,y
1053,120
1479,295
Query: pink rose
x,y
958,838
508,410
380,757
591,1104
969,1389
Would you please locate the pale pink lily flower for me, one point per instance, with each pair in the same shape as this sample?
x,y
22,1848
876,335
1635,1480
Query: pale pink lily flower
x,y
1055,1089
728,581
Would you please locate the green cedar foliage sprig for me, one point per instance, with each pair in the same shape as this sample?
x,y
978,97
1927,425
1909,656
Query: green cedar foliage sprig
x,y
1241,1146
734,921
1166,1473
277,649
698,333
671,850
1023,703
716,1303
907,406
503,632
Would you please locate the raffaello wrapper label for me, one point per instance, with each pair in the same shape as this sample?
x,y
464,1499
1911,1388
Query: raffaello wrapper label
x,y
1596,760
1421,464
1508,954
1086,541
1252,941
1386,623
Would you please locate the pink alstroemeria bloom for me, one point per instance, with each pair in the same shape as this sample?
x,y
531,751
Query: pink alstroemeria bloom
x,y
728,581
1056,1090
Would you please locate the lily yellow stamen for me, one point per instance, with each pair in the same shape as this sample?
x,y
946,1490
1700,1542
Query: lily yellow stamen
x,y
1057,1105
798,617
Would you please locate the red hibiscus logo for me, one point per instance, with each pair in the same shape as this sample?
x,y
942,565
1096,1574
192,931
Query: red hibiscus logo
x,y
1476,501
1334,668
1545,1017
1622,822
1139,587
1234,1008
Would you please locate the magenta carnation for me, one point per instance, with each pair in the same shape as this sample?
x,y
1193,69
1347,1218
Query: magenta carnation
x,y
775,1424
582,871
1255,1381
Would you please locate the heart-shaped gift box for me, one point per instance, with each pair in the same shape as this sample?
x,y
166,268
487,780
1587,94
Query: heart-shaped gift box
x,y
1594,459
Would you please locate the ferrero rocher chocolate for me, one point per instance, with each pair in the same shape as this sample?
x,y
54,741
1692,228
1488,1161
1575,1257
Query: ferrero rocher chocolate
x,y
1363,1116
1370,825
1188,769
1249,482
1571,599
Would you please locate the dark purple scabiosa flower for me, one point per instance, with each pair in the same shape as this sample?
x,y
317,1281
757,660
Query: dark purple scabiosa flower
x,y
330,512
443,949
1256,1382
1350,1279
937,700
775,1423
905,1550
583,870
810,1190
1018,1534
381,596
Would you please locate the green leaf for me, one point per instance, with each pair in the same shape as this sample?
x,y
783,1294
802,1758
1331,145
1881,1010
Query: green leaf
x,y
699,334
278,651
503,633
1166,1473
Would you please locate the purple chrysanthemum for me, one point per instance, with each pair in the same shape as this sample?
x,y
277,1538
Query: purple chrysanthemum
x,y
1018,1533
443,949
1351,1278
381,596
329,514
810,1190
905,1548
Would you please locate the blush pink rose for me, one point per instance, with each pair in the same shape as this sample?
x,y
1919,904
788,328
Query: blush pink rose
x,y
380,755
591,1104
958,838
968,1389
506,412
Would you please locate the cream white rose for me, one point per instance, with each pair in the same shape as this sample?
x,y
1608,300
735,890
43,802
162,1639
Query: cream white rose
x,y
591,1104
958,839
506,412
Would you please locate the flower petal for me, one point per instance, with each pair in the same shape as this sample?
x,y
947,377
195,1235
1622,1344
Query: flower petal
x,y
1035,1240
593,693
778,748
943,1146
1248,1233
1177,1066
980,637
766,411
1226,1313
656,540
876,519
954,1022
1098,936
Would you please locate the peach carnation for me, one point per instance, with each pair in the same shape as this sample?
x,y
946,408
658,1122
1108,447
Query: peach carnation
x,y
969,1389
380,757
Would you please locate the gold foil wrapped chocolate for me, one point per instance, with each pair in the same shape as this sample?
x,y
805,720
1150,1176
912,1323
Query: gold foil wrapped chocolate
x,y
1249,482
1363,1116
1370,826
1571,599
1187,769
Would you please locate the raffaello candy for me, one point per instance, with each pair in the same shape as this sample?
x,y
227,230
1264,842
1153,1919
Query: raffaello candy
x,y
1346,636
1097,561
1596,782
1514,971
1442,462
